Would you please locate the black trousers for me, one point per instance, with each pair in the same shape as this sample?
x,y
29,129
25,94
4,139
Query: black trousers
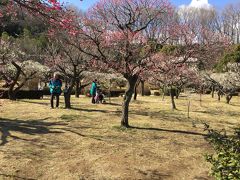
x,y
93,98
57,99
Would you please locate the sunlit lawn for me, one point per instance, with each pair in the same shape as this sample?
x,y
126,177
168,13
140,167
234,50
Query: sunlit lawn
x,y
87,142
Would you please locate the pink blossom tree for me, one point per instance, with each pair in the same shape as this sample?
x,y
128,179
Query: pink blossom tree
x,y
55,14
166,72
70,62
121,36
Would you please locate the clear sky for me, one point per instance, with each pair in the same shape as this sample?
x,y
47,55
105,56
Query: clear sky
x,y
85,4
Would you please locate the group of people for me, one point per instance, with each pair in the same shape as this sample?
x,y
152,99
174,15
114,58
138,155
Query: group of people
x,y
55,86
96,93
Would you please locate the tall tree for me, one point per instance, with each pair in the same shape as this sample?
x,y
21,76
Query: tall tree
x,y
117,33
69,61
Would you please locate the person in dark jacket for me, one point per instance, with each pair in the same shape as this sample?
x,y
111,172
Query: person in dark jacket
x,y
55,85
93,90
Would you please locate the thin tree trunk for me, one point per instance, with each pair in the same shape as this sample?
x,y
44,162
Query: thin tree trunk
x,y
11,94
110,85
219,95
213,90
132,80
228,98
172,91
67,94
178,91
189,109
77,88
135,89
163,95
135,93
201,93
142,87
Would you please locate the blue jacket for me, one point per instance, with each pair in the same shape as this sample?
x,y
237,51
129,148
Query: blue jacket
x,y
93,88
55,86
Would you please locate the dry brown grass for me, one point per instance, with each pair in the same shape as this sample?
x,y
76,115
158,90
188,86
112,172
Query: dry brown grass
x,y
87,143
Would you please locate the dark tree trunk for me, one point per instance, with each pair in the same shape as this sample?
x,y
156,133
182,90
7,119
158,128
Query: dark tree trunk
x,y
163,90
219,95
77,88
67,98
135,93
132,80
213,90
142,88
12,94
11,91
178,90
228,98
172,93
67,94
135,89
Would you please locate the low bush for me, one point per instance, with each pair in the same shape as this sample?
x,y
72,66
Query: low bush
x,y
226,159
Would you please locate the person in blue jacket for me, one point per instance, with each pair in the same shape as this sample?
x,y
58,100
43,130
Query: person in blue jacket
x,y
93,90
55,85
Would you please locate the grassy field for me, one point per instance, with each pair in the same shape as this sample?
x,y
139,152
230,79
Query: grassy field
x,y
86,142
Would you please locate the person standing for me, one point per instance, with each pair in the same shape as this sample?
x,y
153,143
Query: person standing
x,y
93,90
55,85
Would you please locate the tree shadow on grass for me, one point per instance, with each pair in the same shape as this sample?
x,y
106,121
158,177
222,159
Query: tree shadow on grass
x,y
168,130
90,110
33,102
29,127
112,104
163,115
15,177
154,174
35,127
96,137
218,113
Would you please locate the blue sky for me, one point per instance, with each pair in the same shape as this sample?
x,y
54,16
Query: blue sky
x,y
85,4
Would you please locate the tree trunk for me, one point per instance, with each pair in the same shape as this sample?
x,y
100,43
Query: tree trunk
x,y
228,98
77,88
12,94
11,91
135,89
67,100
219,95
67,94
135,93
213,90
142,88
189,109
172,92
163,95
132,80
178,90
